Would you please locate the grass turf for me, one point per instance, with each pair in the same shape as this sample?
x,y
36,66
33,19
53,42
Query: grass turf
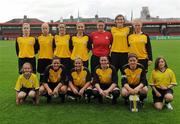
x,y
83,113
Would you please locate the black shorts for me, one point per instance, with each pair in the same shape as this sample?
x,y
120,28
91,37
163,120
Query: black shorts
x,y
94,63
42,64
32,61
119,60
52,86
162,92
105,86
26,90
144,62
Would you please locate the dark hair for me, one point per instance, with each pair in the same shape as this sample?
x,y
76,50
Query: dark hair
x,y
55,57
101,21
120,15
130,55
156,65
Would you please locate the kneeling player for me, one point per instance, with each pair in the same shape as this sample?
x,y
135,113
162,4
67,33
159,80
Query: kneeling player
x,y
27,85
79,81
162,81
106,81
134,80
54,81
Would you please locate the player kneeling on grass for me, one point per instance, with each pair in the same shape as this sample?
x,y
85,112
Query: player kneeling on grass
x,y
105,80
27,85
134,80
162,80
79,81
54,81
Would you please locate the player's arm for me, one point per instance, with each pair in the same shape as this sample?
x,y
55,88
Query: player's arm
x,y
17,48
149,49
36,46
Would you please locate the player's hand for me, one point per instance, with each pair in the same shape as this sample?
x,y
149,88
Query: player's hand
x,y
106,92
136,90
131,91
81,92
149,62
75,91
55,92
158,94
102,93
50,92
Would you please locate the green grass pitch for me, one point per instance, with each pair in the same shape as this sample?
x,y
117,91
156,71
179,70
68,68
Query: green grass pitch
x,y
83,113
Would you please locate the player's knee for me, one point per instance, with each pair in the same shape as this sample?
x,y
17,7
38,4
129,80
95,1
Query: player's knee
x,y
63,89
21,95
32,94
168,97
41,90
145,90
158,106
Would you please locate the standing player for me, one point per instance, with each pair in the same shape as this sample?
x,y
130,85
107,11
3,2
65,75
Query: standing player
x,y
162,81
139,43
62,50
101,43
80,45
26,48
45,47
134,80
105,81
79,81
119,49
54,80
27,85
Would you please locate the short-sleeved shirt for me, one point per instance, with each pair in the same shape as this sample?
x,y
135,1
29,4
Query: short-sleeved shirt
x,y
55,76
80,47
22,82
120,44
62,46
45,47
105,77
25,47
133,77
165,78
81,78
140,45
101,42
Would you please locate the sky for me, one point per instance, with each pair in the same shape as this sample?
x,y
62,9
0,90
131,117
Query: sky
x,y
47,10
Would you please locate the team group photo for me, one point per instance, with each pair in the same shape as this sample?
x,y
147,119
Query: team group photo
x,y
90,70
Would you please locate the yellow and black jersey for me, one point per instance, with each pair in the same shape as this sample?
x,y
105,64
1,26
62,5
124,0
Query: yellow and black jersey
x,y
22,82
52,76
26,47
165,78
134,77
120,44
80,47
45,47
62,46
106,77
81,78
140,45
